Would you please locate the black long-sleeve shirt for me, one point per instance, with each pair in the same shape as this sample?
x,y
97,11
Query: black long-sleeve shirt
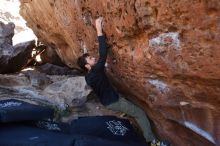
x,y
97,79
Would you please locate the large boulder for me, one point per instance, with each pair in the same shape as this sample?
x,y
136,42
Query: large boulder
x,y
73,90
9,12
13,58
52,69
60,91
164,54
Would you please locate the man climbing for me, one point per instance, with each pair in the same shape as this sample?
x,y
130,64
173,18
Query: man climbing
x,y
97,79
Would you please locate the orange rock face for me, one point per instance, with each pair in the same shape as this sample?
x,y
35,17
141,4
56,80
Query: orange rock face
x,y
164,54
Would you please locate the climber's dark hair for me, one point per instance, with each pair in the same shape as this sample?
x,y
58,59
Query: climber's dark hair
x,y
82,61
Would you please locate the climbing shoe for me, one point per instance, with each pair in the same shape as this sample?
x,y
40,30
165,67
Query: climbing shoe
x,y
159,143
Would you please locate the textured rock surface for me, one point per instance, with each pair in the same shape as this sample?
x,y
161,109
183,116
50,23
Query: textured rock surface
x,y
6,34
164,54
59,91
73,90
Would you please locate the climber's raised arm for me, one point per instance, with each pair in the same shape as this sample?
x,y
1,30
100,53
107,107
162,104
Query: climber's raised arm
x,y
102,45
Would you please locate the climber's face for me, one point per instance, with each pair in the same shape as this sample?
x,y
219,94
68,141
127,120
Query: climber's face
x,y
91,60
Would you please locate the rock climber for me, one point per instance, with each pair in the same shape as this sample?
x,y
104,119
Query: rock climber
x,y
96,78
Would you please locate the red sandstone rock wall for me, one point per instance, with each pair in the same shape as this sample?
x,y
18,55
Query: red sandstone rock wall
x,y
165,54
